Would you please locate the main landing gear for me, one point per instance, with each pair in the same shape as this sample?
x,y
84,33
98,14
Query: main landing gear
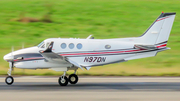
x,y
63,80
9,80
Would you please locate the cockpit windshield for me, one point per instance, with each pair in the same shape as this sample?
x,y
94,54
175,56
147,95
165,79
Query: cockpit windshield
x,y
39,45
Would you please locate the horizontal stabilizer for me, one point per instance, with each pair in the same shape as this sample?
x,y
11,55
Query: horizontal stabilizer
x,y
146,47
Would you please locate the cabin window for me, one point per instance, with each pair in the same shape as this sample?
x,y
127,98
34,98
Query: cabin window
x,y
79,46
71,45
63,45
107,46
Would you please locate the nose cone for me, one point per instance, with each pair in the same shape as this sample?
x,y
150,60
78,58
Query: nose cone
x,y
8,57
11,56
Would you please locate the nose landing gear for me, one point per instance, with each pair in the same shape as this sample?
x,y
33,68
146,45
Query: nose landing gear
x,y
9,80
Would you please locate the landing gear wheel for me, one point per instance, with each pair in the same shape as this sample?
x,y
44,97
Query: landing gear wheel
x,y
73,78
63,81
9,80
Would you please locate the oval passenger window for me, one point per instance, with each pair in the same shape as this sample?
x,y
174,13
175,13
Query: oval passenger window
x,y
79,46
71,45
63,45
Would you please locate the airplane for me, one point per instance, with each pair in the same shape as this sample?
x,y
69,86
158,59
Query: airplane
x,y
64,54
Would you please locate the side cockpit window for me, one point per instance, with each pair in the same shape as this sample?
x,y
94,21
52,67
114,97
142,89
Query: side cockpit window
x,y
41,45
47,44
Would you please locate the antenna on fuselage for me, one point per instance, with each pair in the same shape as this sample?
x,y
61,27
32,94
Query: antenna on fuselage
x,y
22,45
12,50
89,37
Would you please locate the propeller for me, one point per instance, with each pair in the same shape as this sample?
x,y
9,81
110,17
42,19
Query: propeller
x,y
23,45
11,63
12,50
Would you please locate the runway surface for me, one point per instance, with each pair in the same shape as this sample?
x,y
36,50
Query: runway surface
x,y
92,89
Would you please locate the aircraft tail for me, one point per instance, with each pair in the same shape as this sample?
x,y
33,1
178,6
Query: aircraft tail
x,y
158,33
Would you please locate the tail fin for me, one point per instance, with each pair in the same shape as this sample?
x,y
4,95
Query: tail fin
x,y
159,31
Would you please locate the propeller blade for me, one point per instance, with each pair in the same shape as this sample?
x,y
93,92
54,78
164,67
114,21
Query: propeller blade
x,y
12,50
23,45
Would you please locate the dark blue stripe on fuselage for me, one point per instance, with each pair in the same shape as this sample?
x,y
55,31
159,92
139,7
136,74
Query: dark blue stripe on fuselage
x,y
28,55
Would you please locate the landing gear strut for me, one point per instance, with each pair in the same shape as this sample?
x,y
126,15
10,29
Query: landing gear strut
x,y
9,80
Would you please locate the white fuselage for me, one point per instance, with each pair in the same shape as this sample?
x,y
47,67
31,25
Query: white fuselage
x,y
92,52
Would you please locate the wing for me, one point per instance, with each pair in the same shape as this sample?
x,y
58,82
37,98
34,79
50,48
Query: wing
x,y
56,58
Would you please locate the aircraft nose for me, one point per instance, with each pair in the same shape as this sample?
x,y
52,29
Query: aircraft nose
x,y
8,57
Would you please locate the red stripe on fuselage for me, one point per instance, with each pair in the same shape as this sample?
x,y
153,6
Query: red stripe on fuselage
x,y
101,52
127,51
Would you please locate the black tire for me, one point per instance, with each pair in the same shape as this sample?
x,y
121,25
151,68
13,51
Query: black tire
x,y
9,80
63,82
73,78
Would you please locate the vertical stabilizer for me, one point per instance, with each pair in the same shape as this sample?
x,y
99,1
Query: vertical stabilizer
x,y
159,31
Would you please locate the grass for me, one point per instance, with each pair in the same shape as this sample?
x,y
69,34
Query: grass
x,y
80,18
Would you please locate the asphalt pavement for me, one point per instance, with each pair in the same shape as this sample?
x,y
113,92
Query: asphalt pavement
x,y
33,88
